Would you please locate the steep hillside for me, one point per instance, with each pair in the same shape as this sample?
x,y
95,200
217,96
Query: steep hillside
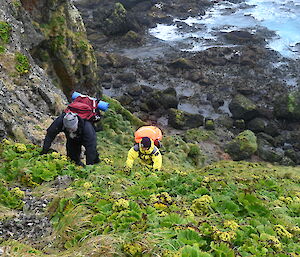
x,y
50,207
200,204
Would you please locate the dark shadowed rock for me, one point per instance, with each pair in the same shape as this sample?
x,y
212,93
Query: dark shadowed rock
x,y
135,90
257,125
128,77
168,98
106,77
269,153
288,106
293,155
193,76
242,108
242,37
266,137
239,124
182,63
119,61
161,99
225,121
125,99
132,38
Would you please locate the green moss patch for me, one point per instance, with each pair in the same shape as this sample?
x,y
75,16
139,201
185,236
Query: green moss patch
x,y
5,30
22,63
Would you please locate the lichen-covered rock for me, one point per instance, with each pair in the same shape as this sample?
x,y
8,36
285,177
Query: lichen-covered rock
x,y
242,108
183,120
257,125
243,146
112,18
182,63
288,106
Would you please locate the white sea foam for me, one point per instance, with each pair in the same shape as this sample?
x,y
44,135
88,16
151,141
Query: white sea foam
x,y
282,17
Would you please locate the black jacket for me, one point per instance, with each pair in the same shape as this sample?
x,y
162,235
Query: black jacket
x,y
85,136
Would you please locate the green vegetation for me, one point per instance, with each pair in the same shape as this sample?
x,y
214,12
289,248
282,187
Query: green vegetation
x,y
224,209
22,63
5,29
198,134
17,3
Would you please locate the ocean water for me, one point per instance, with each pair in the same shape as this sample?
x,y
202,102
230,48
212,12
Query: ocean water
x,y
282,17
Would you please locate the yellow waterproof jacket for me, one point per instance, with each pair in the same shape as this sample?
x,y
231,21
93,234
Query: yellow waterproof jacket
x,y
151,157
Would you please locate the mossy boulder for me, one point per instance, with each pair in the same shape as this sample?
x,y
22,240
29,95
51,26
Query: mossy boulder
x,y
257,125
209,124
240,124
182,120
131,37
115,60
116,18
224,121
242,108
162,99
288,106
243,146
115,21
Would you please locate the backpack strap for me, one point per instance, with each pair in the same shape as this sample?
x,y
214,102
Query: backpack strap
x,y
136,147
155,151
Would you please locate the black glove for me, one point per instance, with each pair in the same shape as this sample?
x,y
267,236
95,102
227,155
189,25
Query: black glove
x,y
44,151
79,163
97,160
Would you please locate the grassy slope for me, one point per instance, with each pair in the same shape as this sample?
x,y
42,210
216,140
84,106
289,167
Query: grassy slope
x,y
225,209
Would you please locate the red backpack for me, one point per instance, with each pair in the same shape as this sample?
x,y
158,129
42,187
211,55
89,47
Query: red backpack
x,y
85,107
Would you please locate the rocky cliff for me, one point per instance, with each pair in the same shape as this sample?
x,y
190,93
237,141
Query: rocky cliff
x,y
44,55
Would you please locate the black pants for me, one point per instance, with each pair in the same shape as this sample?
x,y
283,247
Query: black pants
x,y
74,151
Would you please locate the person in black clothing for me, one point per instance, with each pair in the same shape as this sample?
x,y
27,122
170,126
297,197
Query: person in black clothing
x,y
79,133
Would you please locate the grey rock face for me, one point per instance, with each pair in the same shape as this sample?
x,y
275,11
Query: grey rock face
x,y
30,223
29,98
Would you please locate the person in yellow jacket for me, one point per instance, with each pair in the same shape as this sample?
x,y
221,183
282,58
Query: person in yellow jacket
x,y
147,152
